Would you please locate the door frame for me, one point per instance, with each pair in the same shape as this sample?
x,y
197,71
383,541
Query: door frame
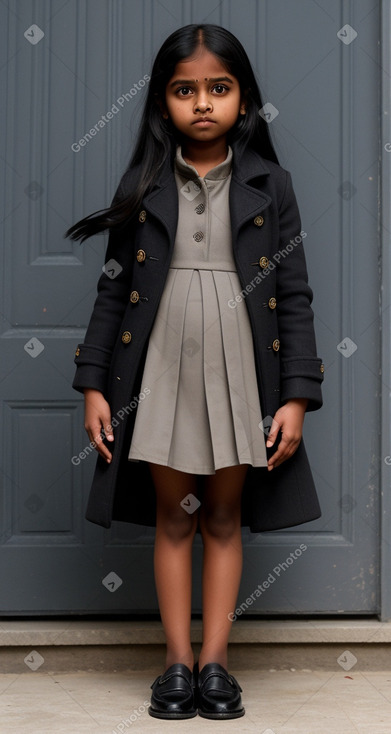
x,y
385,310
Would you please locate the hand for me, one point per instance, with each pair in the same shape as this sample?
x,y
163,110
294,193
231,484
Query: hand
x,y
289,418
97,421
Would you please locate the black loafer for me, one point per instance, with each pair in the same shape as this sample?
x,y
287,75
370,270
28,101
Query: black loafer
x,y
173,694
217,693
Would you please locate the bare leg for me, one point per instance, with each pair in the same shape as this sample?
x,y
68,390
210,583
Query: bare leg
x,y
175,530
220,523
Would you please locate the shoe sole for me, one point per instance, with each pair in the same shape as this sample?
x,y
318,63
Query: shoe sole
x,y
228,715
164,715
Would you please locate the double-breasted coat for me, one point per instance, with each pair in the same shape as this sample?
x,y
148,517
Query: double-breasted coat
x,y
267,242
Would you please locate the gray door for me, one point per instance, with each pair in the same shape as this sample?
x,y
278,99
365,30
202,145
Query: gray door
x,y
68,67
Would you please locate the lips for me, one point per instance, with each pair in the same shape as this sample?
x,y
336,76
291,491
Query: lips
x,y
203,119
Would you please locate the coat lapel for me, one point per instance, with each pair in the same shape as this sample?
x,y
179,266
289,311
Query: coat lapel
x,y
245,200
162,201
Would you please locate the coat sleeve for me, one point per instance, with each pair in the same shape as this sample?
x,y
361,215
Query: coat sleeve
x,y
93,356
301,368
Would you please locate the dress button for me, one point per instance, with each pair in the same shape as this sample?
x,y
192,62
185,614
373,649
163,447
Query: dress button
x,y
141,255
126,337
134,296
198,236
276,345
200,209
259,221
264,262
272,302
77,352
322,367
142,216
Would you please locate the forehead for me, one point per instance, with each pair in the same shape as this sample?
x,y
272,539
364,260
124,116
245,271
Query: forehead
x,y
201,64
201,68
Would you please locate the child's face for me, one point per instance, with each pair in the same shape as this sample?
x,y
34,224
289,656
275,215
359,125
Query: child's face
x,y
193,93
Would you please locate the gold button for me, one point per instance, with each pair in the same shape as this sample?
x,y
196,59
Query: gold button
x,y
259,221
134,296
126,337
264,262
141,255
77,352
276,345
142,216
272,302
322,367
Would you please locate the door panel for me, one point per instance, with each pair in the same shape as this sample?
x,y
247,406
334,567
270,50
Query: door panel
x,y
56,88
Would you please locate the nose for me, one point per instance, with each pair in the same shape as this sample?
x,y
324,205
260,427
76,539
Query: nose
x,y
202,102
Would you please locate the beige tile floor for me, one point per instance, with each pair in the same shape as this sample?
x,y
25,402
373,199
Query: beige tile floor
x,y
296,701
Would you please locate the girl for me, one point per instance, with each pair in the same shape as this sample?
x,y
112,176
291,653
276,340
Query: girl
x,y
205,273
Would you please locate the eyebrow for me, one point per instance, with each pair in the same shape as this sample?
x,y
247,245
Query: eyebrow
x,y
192,81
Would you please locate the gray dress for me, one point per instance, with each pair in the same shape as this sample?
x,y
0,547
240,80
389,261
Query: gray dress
x,y
203,411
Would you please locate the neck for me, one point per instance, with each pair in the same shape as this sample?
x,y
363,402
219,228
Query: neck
x,y
204,153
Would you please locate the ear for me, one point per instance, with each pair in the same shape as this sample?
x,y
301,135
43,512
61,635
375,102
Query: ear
x,y
163,108
243,102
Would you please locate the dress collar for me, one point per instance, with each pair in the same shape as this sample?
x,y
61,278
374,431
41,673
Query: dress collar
x,y
221,171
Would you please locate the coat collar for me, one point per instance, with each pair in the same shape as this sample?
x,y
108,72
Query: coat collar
x,y
219,172
245,201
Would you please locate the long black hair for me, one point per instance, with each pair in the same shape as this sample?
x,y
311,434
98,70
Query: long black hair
x,y
157,137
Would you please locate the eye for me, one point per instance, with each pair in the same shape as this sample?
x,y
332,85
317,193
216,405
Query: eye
x,y
180,89
220,86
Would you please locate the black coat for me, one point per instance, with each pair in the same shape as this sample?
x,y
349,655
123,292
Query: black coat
x,y
270,261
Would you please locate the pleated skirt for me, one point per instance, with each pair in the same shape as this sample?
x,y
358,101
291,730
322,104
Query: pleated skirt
x,y
203,411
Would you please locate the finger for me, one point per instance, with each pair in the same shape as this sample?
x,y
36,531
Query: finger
x,y
273,433
96,437
103,450
108,430
281,450
283,453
